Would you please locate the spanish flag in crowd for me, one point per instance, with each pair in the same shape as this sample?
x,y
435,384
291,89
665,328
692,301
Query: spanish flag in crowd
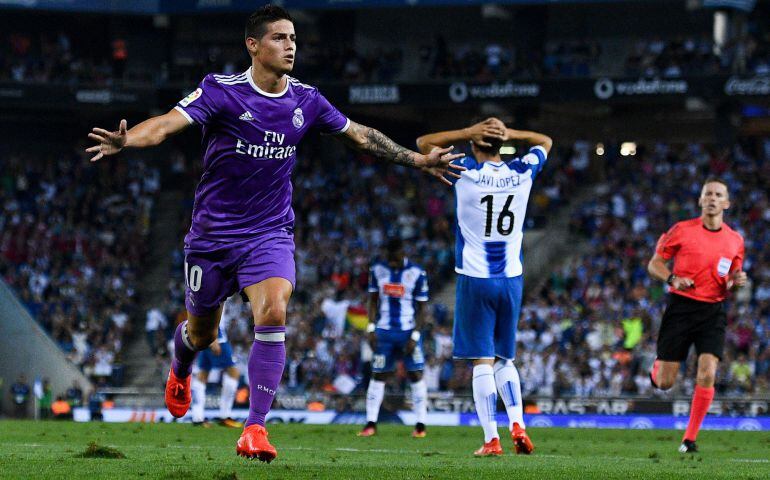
x,y
357,317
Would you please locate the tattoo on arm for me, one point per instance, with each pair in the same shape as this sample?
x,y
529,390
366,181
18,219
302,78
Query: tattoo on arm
x,y
375,143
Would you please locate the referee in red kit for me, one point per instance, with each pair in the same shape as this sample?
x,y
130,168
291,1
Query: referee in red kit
x,y
708,261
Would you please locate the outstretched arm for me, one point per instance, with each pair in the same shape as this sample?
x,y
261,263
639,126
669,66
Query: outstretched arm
x,y
149,133
369,140
489,128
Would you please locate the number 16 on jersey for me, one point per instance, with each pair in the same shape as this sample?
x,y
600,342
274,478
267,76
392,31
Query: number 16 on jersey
x,y
506,218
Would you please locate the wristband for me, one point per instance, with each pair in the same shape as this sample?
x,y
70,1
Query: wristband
x,y
670,279
416,335
369,327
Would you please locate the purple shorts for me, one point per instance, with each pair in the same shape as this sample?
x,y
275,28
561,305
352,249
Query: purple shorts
x,y
215,271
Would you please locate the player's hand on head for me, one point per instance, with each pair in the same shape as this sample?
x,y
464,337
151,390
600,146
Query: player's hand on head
x,y
109,143
438,163
489,128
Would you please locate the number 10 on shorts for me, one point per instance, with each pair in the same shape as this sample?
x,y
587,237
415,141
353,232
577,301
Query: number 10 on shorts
x,y
193,276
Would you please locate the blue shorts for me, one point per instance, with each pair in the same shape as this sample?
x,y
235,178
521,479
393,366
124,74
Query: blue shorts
x,y
486,316
390,348
207,361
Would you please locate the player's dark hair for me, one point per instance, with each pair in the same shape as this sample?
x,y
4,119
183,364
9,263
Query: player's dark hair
x,y
256,26
493,149
394,245
715,179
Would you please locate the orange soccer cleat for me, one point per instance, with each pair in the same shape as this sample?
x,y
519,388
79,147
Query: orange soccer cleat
x,y
521,441
490,449
369,430
253,444
178,394
230,423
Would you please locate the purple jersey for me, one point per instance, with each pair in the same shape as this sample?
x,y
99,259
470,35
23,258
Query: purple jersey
x,y
250,138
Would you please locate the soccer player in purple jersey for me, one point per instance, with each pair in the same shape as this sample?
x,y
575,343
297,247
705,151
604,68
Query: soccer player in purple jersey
x,y
241,235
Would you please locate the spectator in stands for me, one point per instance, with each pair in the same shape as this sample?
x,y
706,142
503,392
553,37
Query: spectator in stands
x,y
74,395
45,399
154,326
61,410
20,397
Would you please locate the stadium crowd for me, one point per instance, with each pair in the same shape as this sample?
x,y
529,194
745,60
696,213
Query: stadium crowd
x,y
72,237
66,58
588,330
678,57
345,211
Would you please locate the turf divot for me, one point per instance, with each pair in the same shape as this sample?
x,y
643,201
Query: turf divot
x,y
95,450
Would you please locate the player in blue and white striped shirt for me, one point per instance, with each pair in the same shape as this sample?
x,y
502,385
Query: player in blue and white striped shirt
x,y
219,356
492,198
398,290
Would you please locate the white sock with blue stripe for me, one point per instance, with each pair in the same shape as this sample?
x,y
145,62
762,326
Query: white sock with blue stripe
x,y
509,386
374,396
485,398
198,399
227,396
420,400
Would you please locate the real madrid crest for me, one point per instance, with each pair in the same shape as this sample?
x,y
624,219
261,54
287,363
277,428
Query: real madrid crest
x,y
298,120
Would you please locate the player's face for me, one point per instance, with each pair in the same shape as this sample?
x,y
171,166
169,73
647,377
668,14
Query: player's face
x,y
714,199
277,47
396,259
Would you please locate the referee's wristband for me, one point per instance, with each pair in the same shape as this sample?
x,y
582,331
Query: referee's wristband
x,y
369,327
670,279
416,335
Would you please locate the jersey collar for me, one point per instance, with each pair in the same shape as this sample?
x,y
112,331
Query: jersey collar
x,y
262,92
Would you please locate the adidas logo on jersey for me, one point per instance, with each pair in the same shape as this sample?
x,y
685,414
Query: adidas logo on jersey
x,y
246,116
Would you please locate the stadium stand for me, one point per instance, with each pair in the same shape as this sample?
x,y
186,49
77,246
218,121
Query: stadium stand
x,y
594,318
346,206
73,236
588,331
593,322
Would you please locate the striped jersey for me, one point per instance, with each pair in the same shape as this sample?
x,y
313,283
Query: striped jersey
x,y
399,290
491,203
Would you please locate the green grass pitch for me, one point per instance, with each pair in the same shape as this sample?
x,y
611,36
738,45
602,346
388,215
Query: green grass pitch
x,y
55,450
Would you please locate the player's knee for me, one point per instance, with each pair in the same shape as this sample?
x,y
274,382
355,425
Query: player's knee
x,y
705,378
414,376
271,313
665,383
380,377
201,339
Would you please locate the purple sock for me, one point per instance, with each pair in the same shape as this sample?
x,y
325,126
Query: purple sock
x,y
184,354
266,361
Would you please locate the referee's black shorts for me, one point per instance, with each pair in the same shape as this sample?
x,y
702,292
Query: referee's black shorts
x,y
686,322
